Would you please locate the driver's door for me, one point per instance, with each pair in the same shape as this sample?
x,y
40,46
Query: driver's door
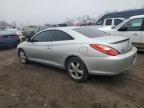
x,y
40,48
142,37
132,30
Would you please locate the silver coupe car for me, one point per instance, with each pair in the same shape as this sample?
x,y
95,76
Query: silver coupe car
x,y
80,50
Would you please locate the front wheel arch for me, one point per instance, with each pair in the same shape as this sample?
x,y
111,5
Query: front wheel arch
x,y
26,60
19,51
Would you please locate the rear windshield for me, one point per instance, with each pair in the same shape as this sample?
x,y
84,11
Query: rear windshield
x,y
90,32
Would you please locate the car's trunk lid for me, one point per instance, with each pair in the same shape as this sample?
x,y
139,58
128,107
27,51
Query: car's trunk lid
x,y
121,44
8,35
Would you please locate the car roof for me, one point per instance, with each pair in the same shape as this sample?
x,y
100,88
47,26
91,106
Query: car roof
x,y
68,30
137,16
63,28
125,13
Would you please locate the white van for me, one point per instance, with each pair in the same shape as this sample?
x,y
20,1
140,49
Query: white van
x,y
115,18
132,28
109,22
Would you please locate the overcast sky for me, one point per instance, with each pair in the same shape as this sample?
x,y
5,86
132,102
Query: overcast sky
x,y
57,11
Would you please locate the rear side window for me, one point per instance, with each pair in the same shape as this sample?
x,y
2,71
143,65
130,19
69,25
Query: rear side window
x,y
90,32
60,36
117,21
108,22
99,22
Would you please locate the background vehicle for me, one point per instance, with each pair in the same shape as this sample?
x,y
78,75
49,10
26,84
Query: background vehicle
x,y
80,50
132,28
9,38
12,31
17,32
115,18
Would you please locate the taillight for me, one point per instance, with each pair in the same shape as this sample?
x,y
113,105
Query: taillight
x,y
105,49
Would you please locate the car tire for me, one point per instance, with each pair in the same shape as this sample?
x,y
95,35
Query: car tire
x,y
22,56
77,69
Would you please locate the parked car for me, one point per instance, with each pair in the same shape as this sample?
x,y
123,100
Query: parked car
x,y
17,32
79,50
12,31
132,28
109,22
115,18
9,38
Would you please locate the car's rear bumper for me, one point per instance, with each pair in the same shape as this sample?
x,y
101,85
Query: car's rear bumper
x,y
111,65
9,43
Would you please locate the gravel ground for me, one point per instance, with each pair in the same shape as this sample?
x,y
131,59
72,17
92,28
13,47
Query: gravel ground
x,y
40,86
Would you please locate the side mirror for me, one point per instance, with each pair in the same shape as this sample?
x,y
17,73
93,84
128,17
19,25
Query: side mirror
x,y
29,40
23,39
123,29
113,27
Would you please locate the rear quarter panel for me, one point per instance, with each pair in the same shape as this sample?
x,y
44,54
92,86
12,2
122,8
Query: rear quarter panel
x,y
63,49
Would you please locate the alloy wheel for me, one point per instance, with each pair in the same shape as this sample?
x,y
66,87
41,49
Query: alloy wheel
x,y
76,70
22,56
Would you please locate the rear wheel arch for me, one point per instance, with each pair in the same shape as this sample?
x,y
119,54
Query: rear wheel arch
x,y
72,56
77,59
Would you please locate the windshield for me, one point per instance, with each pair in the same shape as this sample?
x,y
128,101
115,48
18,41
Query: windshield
x,y
90,32
118,26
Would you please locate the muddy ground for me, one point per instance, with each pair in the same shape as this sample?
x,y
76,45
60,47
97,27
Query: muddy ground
x,y
39,86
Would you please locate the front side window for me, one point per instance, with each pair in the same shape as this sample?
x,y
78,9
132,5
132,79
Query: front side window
x,y
117,21
108,22
60,36
134,24
44,36
142,28
99,22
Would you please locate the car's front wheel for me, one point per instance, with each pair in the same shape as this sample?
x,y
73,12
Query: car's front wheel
x,y
77,70
22,56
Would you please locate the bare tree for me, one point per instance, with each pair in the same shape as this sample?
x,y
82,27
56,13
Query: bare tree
x,y
13,24
69,22
86,20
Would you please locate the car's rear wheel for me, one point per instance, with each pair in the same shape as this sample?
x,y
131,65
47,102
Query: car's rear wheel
x,y
77,70
22,56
